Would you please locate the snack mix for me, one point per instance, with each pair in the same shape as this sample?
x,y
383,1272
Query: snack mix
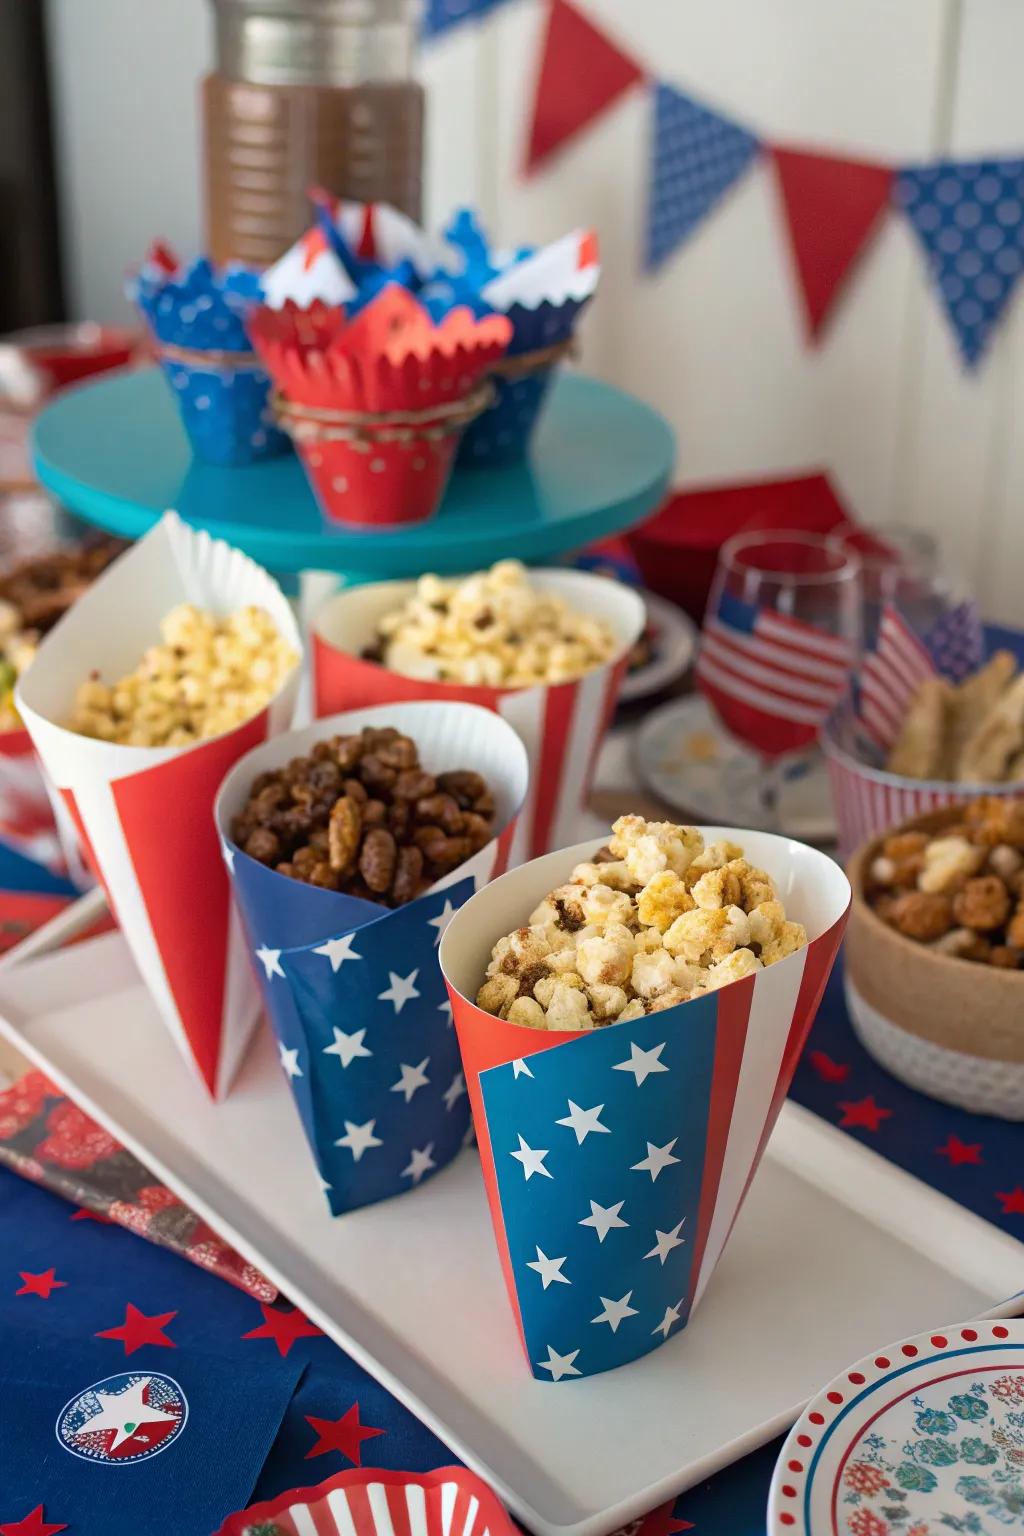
x,y
492,629
33,596
970,734
959,890
360,814
656,919
207,676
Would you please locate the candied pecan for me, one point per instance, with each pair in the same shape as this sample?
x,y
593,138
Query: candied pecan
x,y
922,915
375,813
983,904
414,784
356,790
446,852
1005,956
903,845
377,859
263,845
344,831
376,775
443,809
322,874
400,753
347,751
463,785
326,775
1015,927
304,859
484,804
477,828
399,817
408,875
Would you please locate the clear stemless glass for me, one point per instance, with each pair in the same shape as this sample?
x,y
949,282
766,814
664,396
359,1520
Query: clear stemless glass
x,y
781,637
899,566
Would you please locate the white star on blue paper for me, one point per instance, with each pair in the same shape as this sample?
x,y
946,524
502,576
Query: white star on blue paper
x,y
520,1069
420,1162
559,1365
615,1311
642,1063
270,959
664,1242
603,1218
532,1160
290,1061
401,991
359,1138
338,951
671,1317
347,1047
456,1088
583,1121
411,1078
443,918
550,1270
657,1159
229,854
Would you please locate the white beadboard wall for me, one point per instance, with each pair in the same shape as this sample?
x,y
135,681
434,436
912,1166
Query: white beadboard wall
x,y
715,338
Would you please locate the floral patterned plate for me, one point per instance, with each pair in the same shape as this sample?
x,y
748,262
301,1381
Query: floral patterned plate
x,y
923,1439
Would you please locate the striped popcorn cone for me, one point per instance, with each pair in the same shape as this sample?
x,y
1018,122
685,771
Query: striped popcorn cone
x,y
608,1240
448,1502
144,815
353,989
562,725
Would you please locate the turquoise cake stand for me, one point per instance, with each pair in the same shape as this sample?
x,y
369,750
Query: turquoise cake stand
x,y
114,452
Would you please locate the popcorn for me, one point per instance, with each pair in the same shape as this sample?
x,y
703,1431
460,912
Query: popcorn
x,y
651,922
207,676
492,629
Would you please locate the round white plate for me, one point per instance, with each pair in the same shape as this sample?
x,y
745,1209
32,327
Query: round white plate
x,y
684,756
673,643
926,1438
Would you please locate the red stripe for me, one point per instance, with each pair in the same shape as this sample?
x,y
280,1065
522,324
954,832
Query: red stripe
x,y
772,734
341,681
398,1509
168,810
613,683
747,663
711,661
88,852
731,1022
367,248
504,848
825,644
559,708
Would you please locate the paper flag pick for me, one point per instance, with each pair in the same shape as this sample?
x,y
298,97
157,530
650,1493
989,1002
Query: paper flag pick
x,y
833,207
695,158
442,15
969,218
581,74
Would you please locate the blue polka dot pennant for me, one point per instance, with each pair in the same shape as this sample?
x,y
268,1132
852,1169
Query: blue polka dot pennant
x,y
969,218
442,15
696,156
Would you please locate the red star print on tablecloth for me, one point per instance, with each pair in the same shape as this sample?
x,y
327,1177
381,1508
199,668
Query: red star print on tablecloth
x,y
960,1151
283,1327
138,1329
1013,1201
862,1113
39,1285
345,1435
33,1524
828,1070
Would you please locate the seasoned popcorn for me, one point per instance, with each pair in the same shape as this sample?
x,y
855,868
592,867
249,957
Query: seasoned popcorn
x,y
207,676
493,629
959,890
653,920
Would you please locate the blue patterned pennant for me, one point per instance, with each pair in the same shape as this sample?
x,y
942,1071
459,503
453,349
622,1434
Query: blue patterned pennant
x,y
695,158
442,15
969,218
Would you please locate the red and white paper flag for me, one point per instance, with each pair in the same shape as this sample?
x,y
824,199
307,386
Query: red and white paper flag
x,y
562,725
144,815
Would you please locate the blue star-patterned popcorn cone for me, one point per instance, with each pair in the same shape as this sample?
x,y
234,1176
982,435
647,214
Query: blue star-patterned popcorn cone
x,y
352,988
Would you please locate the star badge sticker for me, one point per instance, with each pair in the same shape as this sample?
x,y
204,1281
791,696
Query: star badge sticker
x,y
283,1326
138,1329
124,1413
345,1435
39,1285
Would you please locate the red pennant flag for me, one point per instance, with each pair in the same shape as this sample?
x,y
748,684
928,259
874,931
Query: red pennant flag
x,y
833,207
581,74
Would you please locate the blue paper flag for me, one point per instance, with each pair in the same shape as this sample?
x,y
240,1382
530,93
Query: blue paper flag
x,y
969,218
442,15
166,1440
695,158
363,1024
956,642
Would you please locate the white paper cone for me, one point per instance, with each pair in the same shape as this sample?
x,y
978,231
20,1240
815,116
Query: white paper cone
x,y
145,814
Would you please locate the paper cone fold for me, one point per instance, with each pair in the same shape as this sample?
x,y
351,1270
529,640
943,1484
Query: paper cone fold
x,y
144,815
637,1212
450,1501
562,725
354,990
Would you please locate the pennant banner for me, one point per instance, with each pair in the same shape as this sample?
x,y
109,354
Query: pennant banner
x,y
442,15
696,156
833,207
581,74
969,218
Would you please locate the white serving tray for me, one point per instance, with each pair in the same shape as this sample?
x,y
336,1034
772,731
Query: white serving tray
x,y
835,1250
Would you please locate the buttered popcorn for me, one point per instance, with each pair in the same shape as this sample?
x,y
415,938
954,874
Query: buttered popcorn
x,y
658,917
206,676
493,629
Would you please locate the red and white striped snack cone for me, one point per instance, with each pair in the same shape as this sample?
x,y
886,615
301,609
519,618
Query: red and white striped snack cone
x,y
145,814
377,405
561,724
451,1501
699,1085
868,800
24,802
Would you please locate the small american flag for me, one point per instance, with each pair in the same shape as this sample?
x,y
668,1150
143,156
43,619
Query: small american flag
x,y
893,672
772,678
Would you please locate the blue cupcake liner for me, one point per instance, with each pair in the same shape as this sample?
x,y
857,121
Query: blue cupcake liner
x,y
202,309
226,411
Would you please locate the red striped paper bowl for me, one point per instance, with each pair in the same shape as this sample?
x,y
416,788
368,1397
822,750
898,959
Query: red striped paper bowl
x,y
869,801
367,1502
562,725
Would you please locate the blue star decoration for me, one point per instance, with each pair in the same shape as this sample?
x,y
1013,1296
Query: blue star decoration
x,y
599,1151
367,1046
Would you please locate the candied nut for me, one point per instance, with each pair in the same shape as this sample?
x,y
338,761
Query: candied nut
x,y
414,784
922,915
399,752
447,852
465,787
344,831
662,900
322,874
423,836
984,903
347,750
376,775
525,1010
477,828
263,845
1015,928
399,818
408,876
1005,956
897,873
377,859
442,810
948,861
497,993
356,790
375,813
1005,861
904,845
